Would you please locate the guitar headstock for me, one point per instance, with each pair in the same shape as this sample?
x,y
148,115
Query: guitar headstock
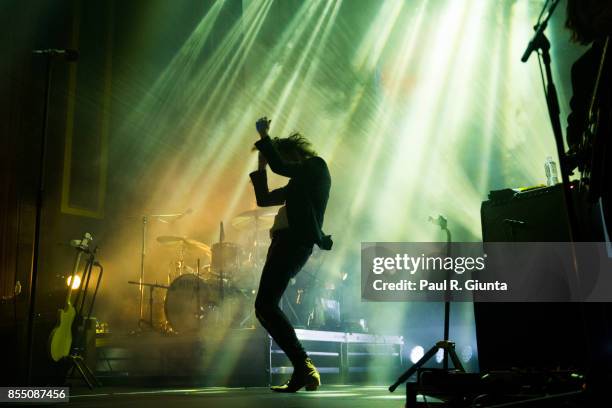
x,y
83,243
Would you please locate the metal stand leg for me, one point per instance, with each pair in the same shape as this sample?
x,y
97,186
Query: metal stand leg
x,y
86,374
75,356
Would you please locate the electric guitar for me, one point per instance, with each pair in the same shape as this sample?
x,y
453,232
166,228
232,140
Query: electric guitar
x,y
592,145
60,339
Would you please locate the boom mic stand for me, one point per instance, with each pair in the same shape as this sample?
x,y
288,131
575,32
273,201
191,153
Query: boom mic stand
x,y
540,44
447,346
50,56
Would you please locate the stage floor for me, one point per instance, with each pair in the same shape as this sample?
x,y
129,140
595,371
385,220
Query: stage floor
x,y
333,396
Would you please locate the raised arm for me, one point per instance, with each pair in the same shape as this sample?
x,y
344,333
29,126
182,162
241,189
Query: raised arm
x,y
277,164
265,197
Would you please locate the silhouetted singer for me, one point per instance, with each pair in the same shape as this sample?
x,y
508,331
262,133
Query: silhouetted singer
x,y
296,229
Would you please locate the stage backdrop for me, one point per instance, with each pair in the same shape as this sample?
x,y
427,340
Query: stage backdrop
x,y
419,107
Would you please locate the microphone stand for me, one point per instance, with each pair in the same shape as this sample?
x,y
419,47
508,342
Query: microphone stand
x,y
541,44
42,160
447,346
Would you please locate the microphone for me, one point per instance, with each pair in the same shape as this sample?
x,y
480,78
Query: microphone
x,y
534,43
537,40
67,54
81,243
440,221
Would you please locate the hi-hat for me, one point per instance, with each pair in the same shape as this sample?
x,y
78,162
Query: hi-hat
x,y
259,218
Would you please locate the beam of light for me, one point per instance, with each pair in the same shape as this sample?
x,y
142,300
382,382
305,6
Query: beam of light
x,y
305,55
226,82
382,122
492,110
321,394
409,110
419,125
377,126
171,82
176,76
209,85
215,144
368,54
317,58
526,132
458,109
223,146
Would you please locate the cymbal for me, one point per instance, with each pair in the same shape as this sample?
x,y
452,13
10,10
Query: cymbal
x,y
192,243
259,218
189,244
169,239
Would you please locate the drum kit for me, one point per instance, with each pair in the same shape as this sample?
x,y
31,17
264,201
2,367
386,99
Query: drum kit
x,y
208,285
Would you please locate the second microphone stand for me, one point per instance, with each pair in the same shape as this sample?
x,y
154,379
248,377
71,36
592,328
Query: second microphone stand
x,y
446,345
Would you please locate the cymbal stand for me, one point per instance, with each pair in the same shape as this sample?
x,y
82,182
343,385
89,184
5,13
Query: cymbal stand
x,y
143,253
249,319
221,261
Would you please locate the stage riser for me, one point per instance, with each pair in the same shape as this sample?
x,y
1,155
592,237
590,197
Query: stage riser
x,y
239,358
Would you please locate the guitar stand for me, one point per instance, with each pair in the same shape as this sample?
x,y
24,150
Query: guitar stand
x,y
75,357
86,374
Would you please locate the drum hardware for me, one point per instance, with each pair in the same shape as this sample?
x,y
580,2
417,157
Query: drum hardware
x,y
165,218
194,295
183,246
315,300
255,220
221,264
258,219
298,299
151,286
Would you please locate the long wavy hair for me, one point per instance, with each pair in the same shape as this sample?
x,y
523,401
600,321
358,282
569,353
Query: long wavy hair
x,y
294,144
589,20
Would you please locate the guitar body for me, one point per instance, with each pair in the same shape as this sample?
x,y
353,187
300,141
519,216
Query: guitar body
x,y
60,340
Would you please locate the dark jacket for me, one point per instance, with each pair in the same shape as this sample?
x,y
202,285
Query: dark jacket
x,y
305,196
584,73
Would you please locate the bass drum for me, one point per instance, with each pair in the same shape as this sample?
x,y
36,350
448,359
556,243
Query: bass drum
x,y
189,302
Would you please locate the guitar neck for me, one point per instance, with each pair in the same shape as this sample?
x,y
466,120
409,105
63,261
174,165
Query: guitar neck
x,y
77,263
